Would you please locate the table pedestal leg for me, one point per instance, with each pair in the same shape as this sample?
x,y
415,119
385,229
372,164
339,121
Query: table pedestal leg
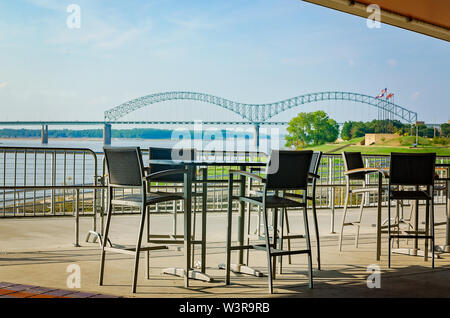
x,y
242,269
193,274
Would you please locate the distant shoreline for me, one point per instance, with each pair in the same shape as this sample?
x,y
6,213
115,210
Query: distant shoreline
x,y
77,139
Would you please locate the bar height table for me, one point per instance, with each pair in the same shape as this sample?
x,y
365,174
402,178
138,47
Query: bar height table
x,y
191,166
446,248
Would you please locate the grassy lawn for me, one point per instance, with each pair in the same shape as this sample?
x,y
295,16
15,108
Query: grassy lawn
x,y
401,144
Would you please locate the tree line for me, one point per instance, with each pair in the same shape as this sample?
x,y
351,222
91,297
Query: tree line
x,y
355,129
316,128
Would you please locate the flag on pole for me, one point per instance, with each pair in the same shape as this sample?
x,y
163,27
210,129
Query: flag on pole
x,y
382,93
390,95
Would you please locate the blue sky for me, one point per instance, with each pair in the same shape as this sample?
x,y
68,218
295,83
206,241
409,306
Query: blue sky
x,y
256,51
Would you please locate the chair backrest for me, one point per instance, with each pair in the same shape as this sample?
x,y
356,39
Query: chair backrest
x,y
354,160
412,168
169,154
315,162
288,169
125,167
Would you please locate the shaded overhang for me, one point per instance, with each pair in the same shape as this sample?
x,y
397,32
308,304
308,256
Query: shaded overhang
x,y
429,17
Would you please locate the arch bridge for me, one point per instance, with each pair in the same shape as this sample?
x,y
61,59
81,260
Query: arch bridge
x,y
258,114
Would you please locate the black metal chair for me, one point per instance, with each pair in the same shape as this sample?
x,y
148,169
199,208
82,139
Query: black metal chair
x,y
126,172
413,169
156,153
352,162
286,170
312,180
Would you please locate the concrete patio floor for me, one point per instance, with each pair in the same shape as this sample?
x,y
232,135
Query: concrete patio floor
x,y
38,252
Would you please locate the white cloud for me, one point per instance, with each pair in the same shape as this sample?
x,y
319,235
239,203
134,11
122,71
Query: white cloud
x,y
392,62
118,39
415,95
3,84
49,4
192,24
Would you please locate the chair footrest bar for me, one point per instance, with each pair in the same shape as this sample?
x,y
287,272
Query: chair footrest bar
x,y
275,252
180,236
411,236
132,250
244,247
173,242
298,236
278,252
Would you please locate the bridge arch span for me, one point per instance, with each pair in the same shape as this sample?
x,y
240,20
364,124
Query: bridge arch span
x,y
260,113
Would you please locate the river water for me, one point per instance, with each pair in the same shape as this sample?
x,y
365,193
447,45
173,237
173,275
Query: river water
x,y
233,144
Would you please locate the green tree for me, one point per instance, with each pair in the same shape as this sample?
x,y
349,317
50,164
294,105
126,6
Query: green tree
x,y
445,130
346,131
311,129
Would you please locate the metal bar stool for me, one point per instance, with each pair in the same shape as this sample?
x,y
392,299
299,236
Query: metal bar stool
x,y
125,172
353,162
312,179
413,169
286,170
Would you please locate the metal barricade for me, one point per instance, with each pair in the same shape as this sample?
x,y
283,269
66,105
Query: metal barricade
x,y
50,182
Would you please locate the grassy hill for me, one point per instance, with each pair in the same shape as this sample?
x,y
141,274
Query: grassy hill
x,y
400,144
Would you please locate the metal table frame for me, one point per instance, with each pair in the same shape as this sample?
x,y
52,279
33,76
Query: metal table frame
x,y
190,167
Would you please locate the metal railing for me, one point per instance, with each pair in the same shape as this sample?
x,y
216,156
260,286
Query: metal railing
x,y
50,182
42,182
53,181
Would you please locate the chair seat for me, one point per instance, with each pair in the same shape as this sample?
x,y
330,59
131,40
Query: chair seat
x,y
152,198
409,195
273,201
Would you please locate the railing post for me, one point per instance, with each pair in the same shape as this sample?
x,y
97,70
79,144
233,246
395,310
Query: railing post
x,y
256,136
53,182
107,134
77,219
331,190
44,134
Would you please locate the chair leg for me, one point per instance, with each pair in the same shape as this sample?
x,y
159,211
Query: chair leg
x,y
148,264
432,232
316,226
347,194
249,214
274,240
361,208
228,251
281,241
148,238
269,257
308,246
194,219
397,220
427,229
389,233
105,238
258,229
138,249
288,231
